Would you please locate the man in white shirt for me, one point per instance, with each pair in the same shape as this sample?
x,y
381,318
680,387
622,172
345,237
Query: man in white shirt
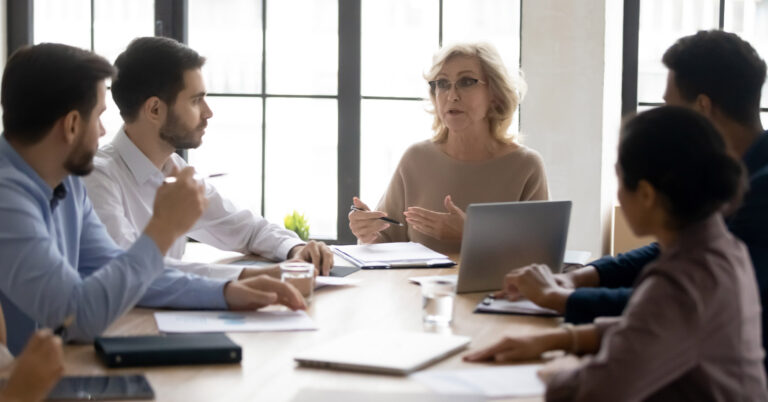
x,y
160,92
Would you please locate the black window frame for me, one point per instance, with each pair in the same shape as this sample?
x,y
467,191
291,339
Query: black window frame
x,y
171,20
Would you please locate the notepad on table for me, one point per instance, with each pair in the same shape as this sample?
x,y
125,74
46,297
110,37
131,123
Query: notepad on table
x,y
393,255
491,382
232,321
503,306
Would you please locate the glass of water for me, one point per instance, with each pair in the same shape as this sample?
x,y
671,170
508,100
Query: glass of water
x,y
301,275
437,301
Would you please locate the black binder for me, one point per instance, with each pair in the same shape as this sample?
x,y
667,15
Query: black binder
x,y
164,350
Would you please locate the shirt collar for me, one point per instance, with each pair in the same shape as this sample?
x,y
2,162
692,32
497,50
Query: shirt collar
x,y
756,156
8,152
138,164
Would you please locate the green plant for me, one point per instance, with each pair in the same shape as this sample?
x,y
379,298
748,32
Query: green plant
x,y
297,223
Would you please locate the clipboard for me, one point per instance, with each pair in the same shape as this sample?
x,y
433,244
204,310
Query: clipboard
x,y
393,255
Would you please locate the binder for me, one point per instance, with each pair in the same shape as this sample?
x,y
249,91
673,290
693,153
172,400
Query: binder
x,y
393,255
165,350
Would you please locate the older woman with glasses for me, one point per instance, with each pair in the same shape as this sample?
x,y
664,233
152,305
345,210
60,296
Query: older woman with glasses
x,y
470,159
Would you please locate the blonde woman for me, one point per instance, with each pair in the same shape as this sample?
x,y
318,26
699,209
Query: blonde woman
x,y
471,158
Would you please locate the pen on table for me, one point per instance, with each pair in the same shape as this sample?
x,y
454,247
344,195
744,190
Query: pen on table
x,y
64,325
172,179
384,218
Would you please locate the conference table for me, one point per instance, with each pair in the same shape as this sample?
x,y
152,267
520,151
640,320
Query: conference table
x,y
382,300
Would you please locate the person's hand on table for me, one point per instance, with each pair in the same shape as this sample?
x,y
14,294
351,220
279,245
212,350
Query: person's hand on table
x,y
261,291
36,370
364,223
447,225
315,252
537,284
518,347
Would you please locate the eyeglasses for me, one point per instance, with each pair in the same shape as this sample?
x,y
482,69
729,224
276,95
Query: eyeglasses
x,y
443,85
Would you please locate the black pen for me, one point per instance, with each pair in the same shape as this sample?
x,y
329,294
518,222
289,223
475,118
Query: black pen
x,y
384,218
59,331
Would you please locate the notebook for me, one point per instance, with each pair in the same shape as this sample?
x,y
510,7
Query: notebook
x,y
386,352
162,350
393,255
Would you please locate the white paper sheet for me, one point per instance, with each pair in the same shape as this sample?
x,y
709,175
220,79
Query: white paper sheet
x,y
525,306
491,382
323,281
576,257
390,253
232,321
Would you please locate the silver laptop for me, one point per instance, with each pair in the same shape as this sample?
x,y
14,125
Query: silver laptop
x,y
499,237
386,352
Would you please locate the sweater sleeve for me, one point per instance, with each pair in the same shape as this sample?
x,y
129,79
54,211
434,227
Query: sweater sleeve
x,y
535,187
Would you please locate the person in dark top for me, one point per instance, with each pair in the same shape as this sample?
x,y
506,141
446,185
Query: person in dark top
x,y
721,76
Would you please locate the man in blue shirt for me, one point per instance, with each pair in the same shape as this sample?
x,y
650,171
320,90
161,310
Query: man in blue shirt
x,y
721,76
57,259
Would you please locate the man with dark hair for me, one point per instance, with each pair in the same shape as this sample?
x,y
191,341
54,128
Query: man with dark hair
x,y
58,260
161,95
721,76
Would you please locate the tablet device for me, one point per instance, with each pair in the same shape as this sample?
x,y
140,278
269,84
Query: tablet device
x,y
499,237
101,388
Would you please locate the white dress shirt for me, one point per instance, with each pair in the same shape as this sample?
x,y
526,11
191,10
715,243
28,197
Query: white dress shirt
x,y
122,189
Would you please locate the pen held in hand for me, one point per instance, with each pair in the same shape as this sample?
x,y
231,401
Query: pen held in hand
x,y
383,218
59,331
172,179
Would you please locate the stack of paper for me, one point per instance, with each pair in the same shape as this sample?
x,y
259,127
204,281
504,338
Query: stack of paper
x,y
393,255
503,306
232,321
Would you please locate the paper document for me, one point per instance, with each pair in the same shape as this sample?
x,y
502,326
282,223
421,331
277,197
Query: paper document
x,y
232,321
392,255
323,281
419,279
492,382
503,306
576,257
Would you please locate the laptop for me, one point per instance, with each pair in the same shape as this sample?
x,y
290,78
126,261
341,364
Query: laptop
x,y
499,237
385,352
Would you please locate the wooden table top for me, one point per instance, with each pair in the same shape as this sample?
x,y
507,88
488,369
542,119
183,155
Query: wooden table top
x,y
384,299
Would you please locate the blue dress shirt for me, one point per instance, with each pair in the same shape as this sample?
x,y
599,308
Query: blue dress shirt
x,y
56,260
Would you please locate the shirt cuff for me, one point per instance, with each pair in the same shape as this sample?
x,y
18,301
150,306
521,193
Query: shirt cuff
x,y
211,294
285,247
145,249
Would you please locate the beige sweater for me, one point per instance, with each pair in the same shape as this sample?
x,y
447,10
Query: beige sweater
x,y
426,175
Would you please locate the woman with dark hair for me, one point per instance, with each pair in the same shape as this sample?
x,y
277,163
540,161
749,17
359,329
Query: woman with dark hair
x,y
691,330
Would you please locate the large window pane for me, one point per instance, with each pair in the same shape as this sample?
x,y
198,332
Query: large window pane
x,y
116,23
747,18
228,33
388,128
493,21
301,162
302,47
398,40
662,22
232,145
63,21
764,118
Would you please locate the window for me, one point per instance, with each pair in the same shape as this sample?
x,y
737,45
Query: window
x,y
105,27
662,22
272,75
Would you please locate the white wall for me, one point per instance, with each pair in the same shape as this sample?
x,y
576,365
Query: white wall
x,y
571,56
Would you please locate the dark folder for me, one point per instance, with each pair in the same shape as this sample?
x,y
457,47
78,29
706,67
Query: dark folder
x,y
163,350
